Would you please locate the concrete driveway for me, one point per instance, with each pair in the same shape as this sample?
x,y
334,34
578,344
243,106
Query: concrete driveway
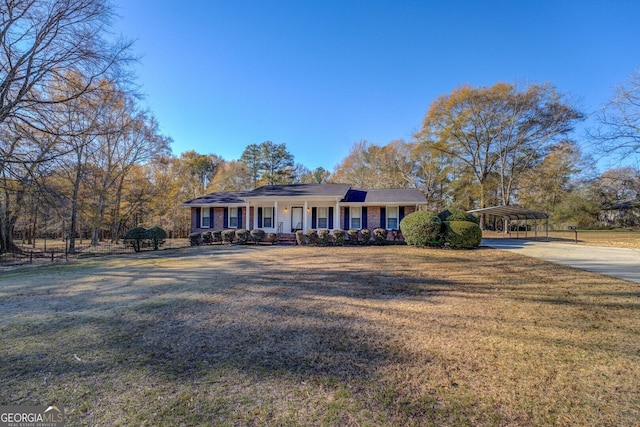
x,y
616,262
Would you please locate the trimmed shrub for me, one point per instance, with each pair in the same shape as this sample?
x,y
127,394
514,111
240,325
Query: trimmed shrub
x,y
338,236
300,239
454,214
194,239
353,236
206,237
242,236
216,236
157,235
421,228
462,234
311,237
135,236
379,235
228,235
272,238
324,238
257,234
365,236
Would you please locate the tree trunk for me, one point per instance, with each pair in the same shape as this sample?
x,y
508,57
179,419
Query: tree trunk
x,y
115,227
73,223
7,222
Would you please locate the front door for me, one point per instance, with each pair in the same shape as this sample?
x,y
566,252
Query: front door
x,y
296,218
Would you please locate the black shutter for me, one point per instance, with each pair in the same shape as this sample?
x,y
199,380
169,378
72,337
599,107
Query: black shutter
x,y
346,218
210,217
314,217
225,219
240,218
400,214
364,217
198,217
330,217
259,217
383,217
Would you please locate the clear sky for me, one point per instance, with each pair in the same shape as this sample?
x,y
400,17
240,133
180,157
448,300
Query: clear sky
x,y
321,75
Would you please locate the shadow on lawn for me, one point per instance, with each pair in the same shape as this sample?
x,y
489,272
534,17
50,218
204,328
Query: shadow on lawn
x,y
178,325
181,324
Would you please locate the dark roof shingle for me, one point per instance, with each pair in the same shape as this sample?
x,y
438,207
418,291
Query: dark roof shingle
x,y
300,190
386,195
219,198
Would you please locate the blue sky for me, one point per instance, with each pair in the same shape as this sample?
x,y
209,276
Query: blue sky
x,y
319,76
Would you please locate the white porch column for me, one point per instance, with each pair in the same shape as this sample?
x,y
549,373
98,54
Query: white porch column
x,y
248,215
275,215
304,216
336,215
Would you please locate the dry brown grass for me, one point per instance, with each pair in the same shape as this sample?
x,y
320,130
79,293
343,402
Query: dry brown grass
x,y
322,336
607,238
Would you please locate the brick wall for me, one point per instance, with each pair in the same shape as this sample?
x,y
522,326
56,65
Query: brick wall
x,y
218,219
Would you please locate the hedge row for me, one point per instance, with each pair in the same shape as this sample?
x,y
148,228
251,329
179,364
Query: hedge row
x,y
240,236
339,237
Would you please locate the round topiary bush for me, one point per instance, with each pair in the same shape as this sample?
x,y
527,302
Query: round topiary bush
x,y
338,236
324,237
216,236
242,236
272,238
257,234
462,234
135,236
379,235
311,237
353,236
206,237
300,240
365,236
157,235
194,239
421,228
228,235
454,214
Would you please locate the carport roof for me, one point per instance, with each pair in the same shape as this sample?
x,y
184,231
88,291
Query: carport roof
x,y
511,212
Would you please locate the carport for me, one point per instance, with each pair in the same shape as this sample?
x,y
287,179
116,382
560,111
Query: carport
x,y
516,213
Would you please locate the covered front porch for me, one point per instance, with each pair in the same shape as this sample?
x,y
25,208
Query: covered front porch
x,y
288,216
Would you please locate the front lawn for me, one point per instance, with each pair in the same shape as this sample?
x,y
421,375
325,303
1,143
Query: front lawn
x,y
321,336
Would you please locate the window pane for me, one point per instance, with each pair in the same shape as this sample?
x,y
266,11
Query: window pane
x,y
204,219
233,218
267,215
323,214
392,218
355,223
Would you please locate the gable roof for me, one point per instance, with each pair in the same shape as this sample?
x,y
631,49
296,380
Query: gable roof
x,y
385,196
300,190
222,198
339,192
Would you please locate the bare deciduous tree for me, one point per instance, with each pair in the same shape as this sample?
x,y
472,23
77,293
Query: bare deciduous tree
x,y
618,132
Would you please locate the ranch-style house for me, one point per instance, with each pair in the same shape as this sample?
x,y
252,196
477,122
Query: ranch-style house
x,y
285,209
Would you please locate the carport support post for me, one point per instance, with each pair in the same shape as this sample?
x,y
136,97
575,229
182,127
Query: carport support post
x,y
547,228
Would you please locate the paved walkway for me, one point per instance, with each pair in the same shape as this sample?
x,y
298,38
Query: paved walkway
x,y
616,262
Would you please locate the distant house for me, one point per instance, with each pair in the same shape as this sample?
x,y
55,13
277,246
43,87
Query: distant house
x,y
288,208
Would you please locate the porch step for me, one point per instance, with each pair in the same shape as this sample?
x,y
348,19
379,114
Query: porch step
x,y
287,239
